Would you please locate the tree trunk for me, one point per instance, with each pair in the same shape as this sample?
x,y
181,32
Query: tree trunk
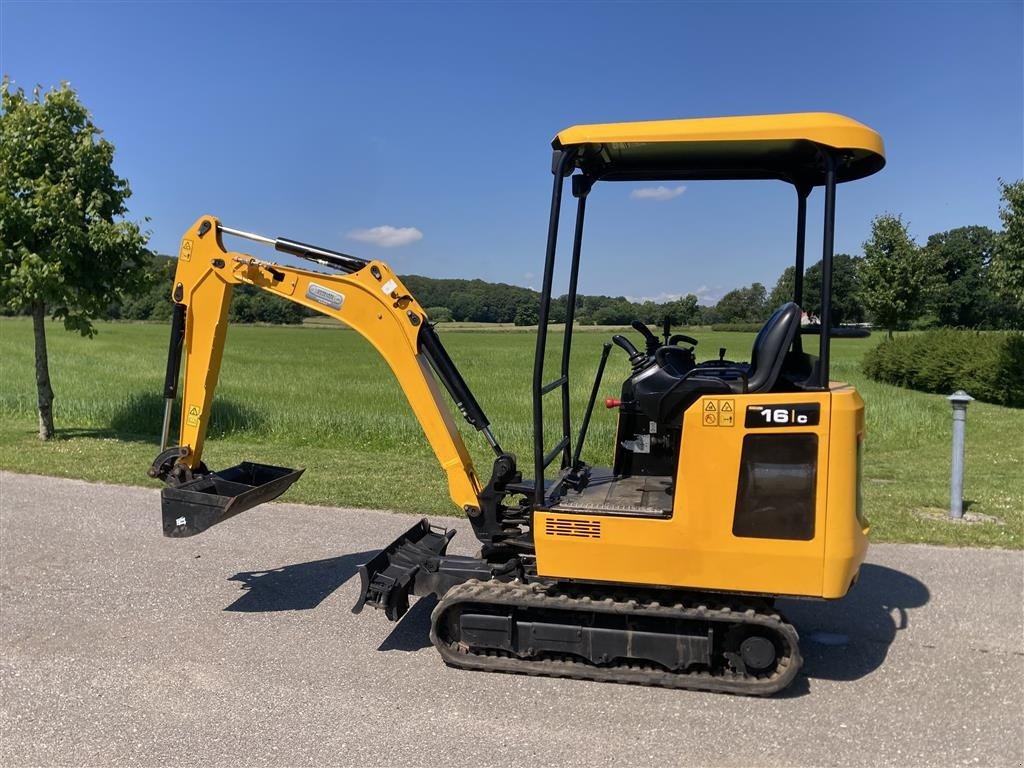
x,y
43,388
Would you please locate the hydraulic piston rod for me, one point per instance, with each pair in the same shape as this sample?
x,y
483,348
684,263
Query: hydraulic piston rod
x,y
314,253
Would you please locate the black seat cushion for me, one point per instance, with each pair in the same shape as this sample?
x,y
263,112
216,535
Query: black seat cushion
x,y
766,358
770,347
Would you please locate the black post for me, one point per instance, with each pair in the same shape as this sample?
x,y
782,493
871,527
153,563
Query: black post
x,y
590,405
801,238
173,369
560,163
580,190
828,241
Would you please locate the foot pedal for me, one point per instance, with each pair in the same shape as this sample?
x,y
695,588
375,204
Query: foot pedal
x,y
192,507
388,579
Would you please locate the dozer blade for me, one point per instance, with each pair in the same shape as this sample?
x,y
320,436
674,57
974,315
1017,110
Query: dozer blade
x,y
388,578
192,507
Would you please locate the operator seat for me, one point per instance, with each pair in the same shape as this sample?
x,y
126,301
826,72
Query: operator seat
x,y
766,358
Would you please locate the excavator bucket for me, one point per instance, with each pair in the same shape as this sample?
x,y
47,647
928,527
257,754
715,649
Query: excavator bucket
x,y
196,505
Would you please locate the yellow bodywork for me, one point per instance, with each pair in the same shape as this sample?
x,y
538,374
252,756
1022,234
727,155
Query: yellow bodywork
x,y
747,147
373,301
695,548
825,128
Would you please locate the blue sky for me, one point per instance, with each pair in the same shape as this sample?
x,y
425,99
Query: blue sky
x,y
322,121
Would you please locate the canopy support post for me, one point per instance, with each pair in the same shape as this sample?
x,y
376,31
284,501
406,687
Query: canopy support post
x,y
828,242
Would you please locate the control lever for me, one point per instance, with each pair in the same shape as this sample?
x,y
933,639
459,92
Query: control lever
x,y
637,359
652,340
680,337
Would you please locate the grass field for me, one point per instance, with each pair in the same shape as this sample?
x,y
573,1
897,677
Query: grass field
x,y
320,398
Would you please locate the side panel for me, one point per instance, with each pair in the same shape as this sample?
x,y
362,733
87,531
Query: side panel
x,y
697,546
846,530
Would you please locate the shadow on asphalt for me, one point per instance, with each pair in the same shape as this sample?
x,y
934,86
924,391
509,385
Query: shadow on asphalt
x,y
413,632
850,638
840,640
297,587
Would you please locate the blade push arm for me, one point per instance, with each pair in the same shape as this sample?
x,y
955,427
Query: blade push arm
x,y
370,299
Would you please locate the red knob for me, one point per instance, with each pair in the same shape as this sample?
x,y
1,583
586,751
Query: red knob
x,y
611,402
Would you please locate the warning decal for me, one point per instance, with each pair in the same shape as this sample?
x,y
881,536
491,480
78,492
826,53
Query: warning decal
x,y
719,413
192,416
186,250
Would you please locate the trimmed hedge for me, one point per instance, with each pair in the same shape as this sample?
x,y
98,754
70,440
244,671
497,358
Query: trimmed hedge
x,y
988,366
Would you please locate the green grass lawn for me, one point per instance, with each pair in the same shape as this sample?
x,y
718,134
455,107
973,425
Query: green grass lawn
x,y
321,398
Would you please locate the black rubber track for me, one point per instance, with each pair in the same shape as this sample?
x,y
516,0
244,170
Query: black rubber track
x,y
526,596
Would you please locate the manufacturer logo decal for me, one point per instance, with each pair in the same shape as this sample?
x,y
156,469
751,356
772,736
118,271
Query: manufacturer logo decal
x,y
782,415
324,296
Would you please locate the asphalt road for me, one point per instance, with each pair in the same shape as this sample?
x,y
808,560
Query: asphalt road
x,y
237,647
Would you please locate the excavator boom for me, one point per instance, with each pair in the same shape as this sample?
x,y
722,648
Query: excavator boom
x,y
366,296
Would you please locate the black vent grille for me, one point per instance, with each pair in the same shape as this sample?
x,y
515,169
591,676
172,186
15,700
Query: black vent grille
x,y
568,526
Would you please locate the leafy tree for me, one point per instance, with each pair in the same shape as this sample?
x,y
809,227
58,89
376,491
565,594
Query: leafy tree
x,y
61,251
783,290
894,277
960,257
252,305
438,314
529,315
846,301
153,302
744,305
1008,259
682,311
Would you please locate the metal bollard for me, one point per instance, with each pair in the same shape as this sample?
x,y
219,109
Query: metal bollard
x,y
959,401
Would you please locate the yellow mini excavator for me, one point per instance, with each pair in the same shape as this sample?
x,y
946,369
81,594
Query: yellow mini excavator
x,y
733,483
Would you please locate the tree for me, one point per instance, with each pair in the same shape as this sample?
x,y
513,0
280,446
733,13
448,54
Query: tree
x,y
846,302
960,257
783,290
61,251
154,302
894,277
1008,258
681,311
744,305
438,314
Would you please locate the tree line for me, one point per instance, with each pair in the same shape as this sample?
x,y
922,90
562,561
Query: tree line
x,y
960,278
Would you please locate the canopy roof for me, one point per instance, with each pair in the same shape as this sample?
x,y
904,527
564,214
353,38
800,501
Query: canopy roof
x,y
783,147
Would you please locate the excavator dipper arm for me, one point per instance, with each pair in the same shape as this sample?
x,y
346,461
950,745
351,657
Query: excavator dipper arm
x,y
367,296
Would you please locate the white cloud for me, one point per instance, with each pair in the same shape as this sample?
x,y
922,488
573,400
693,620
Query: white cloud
x,y
386,236
659,193
661,298
707,295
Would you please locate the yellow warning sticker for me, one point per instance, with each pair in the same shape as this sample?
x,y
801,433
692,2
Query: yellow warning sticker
x,y
719,413
192,416
186,250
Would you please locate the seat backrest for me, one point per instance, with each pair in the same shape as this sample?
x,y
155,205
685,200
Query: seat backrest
x,y
770,347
